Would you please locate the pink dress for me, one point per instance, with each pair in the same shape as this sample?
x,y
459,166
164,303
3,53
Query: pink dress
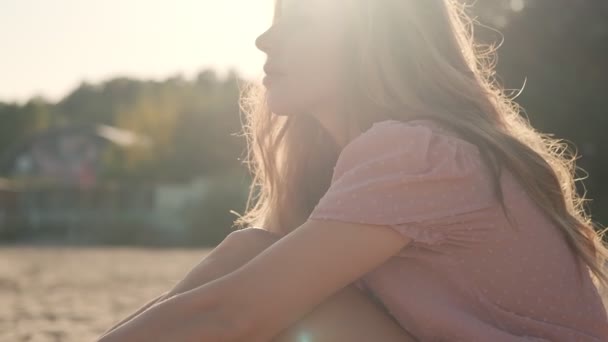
x,y
467,275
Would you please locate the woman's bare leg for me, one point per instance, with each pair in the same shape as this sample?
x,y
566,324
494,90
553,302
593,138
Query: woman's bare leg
x,y
349,315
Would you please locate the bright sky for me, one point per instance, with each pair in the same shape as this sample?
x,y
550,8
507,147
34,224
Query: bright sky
x,y
49,47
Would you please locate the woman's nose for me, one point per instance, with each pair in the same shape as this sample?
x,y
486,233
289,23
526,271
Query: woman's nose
x,y
262,42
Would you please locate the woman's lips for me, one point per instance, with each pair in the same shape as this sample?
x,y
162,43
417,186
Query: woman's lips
x,y
270,78
271,69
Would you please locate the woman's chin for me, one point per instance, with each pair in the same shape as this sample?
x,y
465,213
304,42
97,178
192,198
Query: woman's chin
x,y
277,106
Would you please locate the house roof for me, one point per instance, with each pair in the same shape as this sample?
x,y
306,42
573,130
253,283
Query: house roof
x,y
113,135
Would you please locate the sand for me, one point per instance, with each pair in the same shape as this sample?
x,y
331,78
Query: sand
x,y
74,294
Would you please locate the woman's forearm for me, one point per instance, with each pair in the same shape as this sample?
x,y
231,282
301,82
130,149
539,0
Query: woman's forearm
x,y
198,315
163,296
193,280
231,254
200,275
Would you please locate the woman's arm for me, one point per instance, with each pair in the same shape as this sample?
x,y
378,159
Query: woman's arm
x,y
297,273
182,318
139,311
272,291
234,251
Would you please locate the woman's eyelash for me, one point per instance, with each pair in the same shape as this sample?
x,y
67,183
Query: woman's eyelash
x,y
295,15
290,19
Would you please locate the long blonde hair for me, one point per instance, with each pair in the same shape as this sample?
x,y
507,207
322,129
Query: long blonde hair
x,y
419,57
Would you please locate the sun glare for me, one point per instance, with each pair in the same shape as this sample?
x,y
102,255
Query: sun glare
x,y
95,41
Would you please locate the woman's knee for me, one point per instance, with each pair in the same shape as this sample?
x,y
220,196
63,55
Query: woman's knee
x,y
238,248
249,240
233,252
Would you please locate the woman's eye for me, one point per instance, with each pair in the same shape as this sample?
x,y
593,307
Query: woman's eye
x,y
295,17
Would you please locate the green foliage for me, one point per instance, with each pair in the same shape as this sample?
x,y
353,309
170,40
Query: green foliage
x,y
20,122
211,219
558,49
190,124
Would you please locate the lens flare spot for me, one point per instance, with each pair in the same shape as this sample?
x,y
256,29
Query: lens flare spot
x,y
303,336
518,5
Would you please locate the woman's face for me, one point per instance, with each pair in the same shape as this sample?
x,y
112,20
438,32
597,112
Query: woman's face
x,y
303,47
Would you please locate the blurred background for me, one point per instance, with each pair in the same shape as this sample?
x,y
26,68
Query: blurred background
x,y
120,160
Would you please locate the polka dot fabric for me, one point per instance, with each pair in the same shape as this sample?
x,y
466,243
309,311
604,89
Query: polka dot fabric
x,y
404,176
467,274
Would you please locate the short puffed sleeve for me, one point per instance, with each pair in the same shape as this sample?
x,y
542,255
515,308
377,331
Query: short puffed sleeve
x,y
412,176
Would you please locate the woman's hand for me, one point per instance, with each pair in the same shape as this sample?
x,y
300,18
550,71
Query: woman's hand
x,y
234,251
194,316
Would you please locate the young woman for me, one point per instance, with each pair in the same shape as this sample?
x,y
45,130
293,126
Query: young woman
x,y
401,197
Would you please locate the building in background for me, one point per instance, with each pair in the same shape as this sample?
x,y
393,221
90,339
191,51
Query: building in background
x,y
69,155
